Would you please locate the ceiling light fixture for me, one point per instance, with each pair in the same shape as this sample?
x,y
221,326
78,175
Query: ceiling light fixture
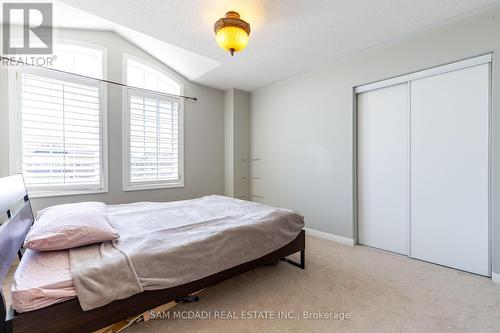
x,y
231,32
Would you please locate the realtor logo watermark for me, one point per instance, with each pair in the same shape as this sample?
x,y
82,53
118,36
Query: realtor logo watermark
x,y
27,34
27,28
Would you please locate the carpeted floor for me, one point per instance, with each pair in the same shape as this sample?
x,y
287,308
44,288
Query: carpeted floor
x,y
381,292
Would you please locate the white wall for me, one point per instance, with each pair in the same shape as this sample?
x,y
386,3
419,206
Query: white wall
x,y
302,128
229,142
203,131
4,122
237,142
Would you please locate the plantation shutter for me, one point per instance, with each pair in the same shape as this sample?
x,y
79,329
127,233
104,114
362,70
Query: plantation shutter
x,y
60,132
154,139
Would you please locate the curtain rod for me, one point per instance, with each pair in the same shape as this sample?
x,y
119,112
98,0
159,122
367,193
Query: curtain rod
x,y
2,58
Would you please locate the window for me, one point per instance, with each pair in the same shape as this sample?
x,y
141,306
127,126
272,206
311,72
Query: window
x,y
79,60
142,76
60,140
152,131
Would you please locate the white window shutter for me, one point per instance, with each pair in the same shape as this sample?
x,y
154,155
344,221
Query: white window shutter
x,y
60,133
154,139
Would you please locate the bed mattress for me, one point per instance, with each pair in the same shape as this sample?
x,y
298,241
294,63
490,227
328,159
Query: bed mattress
x,y
165,244
42,279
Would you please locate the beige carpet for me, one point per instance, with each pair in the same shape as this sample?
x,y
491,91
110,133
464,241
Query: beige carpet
x,y
382,292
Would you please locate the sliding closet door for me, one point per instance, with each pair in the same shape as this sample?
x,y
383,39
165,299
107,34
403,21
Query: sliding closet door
x,y
449,169
383,164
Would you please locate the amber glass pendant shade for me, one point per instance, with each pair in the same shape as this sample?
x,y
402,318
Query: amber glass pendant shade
x,y
232,33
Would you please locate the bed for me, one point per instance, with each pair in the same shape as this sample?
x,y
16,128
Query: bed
x,y
54,296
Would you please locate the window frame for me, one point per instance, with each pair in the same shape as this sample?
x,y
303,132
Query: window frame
x,y
15,126
126,184
150,185
94,47
166,72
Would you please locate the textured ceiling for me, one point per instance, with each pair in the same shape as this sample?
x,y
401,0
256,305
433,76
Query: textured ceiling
x,y
288,36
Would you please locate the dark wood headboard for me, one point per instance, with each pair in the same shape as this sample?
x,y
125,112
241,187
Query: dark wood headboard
x,y
16,218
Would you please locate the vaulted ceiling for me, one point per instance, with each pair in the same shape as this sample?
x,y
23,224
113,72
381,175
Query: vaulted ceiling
x,y
288,36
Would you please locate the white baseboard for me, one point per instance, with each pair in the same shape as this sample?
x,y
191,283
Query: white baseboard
x,y
495,278
332,237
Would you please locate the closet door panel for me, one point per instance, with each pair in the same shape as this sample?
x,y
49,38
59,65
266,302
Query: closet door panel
x,y
449,169
383,153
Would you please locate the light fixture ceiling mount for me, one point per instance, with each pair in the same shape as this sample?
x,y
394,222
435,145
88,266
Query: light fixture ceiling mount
x,y
231,32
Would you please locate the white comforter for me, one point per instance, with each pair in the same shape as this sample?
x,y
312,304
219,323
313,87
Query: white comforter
x,y
162,245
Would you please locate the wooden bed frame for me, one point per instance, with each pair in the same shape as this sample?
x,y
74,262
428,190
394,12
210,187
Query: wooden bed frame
x,y
68,316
